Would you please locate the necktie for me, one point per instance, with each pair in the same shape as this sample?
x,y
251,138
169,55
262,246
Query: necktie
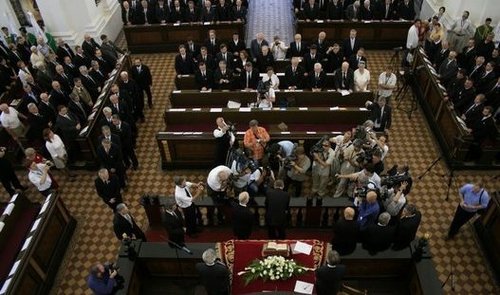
x,y
116,107
298,47
248,79
129,218
146,15
343,79
293,70
188,193
381,114
352,43
90,78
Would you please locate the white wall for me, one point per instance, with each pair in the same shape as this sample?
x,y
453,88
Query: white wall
x,y
6,8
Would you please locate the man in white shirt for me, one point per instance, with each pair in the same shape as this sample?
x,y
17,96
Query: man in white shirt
x,y
460,32
278,48
412,38
386,83
218,181
10,121
224,140
39,176
184,199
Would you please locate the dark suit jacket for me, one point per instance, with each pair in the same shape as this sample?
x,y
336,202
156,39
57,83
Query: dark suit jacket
x,y
265,61
184,66
228,75
176,16
232,47
308,61
130,13
140,16
378,238
242,14
48,111
215,278
121,226
92,86
484,82
323,47
367,14
80,60
255,48
209,15
229,59
90,47
195,51
243,220
348,50
144,78
349,83
484,129
406,12
448,70
253,81
211,48
115,138
82,113
192,16
473,114
125,134
111,160
292,50
350,14
345,236
466,58
385,119
66,83
335,12
204,81
406,229
37,125
224,13
109,190
440,56
99,78
317,82
63,51
123,111
311,13
209,61
59,98
329,279
174,226
353,61
277,202
296,79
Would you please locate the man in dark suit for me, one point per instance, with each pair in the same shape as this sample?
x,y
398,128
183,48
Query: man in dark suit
x,y
145,14
321,43
213,273
192,13
80,58
212,43
462,96
224,11
310,11
441,55
353,11
128,143
407,226
191,47
110,157
449,68
184,64
466,58
243,218
29,96
58,96
142,76
294,75
37,123
356,58
236,45
482,131
351,45
346,233
122,109
89,46
46,108
256,45
133,92
379,237
204,77
208,13
223,77
249,78
89,83
127,14
329,276
176,13
63,50
239,12
381,115
64,79
108,188
277,202
311,58
70,67
317,78
487,78
493,94
388,10
224,55
344,78
474,112
297,48
207,58
106,133
80,109
173,222
97,73
124,225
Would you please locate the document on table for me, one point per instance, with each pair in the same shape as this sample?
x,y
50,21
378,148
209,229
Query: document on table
x,y
344,92
303,248
303,287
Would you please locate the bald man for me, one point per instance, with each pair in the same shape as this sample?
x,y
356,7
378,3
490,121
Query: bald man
x,y
368,210
346,233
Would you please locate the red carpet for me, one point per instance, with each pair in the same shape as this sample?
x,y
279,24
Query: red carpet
x,y
239,254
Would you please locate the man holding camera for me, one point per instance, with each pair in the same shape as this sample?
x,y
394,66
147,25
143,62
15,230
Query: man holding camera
x,y
39,176
224,140
256,139
296,174
349,164
184,198
219,180
102,279
321,167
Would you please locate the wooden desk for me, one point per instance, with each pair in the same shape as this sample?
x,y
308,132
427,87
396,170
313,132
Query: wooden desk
x,y
167,37
453,139
306,98
374,34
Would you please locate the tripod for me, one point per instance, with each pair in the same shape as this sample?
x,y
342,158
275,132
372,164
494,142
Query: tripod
x,y
450,277
403,91
449,175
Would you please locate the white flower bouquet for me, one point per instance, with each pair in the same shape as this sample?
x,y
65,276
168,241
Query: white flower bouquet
x,y
272,268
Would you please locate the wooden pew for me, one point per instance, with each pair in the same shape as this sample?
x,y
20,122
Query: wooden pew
x,y
167,37
37,263
452,137
297,118
373,34
306,98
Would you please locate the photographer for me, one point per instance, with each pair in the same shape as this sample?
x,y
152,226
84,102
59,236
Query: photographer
x,y
364,180
296,175
341,143
260,179
349,165
224,140
395,200
280,154
39,176
102,279
278,49
255,139
321,172
218,182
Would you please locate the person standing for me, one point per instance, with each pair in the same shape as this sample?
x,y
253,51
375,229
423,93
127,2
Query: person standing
x,y
474,198
39,176
243,218
184,198
321,168
108,188
57,150
110,157
256,139
174,224
296,175
142,76
277,202
329,276
214,274
460,32
101,280
124,224
224,140
9,179
346,233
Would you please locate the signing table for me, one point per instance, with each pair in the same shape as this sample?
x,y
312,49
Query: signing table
x,y
239,254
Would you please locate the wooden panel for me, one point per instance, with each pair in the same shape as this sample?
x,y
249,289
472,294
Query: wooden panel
x,y
145,37
31,282
47,245
392,33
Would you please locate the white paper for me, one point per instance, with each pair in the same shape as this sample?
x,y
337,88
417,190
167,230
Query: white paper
x,y
197,133
303,248
206,23
26,244
320,21
285,132
303,109
35,225
196,109
187,133
266,109
44,207
344,92
9,209
14,268
176,91
178,133
5,286
215,110
245,109
206,91
334,108
176,24
363,109
330,90
310,132
303,287
14,198
177,110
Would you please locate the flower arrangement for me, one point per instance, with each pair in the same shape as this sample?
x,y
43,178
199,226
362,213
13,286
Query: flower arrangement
x,y
272,268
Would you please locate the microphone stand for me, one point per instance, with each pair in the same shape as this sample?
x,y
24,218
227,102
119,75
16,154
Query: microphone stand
x,y
178,247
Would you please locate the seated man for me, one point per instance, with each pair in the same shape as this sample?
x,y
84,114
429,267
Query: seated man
x,y
346,233
449,68
184,64
294,75
379,237
329,276
214,274
249,78
407,227
317,78
204,77
311,58
223,77
344,78
474,111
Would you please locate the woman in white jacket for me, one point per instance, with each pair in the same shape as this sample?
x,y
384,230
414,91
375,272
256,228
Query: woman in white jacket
x,y
57,150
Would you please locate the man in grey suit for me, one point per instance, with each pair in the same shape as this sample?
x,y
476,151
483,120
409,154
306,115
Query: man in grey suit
x,y
256,45
277,202
449,68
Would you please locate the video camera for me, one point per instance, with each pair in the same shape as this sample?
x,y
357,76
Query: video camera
x,y
318,146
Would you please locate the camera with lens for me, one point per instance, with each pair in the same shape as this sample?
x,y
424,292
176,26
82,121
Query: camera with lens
x,y
318,146
231,127
287,163
119,279
263,87
49,163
